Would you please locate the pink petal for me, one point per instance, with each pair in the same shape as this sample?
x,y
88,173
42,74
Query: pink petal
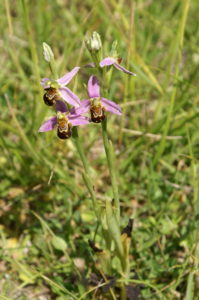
x,y
78,120
93,87
111,106
82,109
119,67
69,96
48,125
108,61
43,83
61,106
68,76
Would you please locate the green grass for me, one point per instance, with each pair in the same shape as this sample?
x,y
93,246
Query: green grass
x,y
42,193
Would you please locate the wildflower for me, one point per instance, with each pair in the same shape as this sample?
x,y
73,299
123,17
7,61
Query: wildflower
x,y
109,61
56,89
96,104
63,121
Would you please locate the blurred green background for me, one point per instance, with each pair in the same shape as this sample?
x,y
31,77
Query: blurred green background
x,y
46,217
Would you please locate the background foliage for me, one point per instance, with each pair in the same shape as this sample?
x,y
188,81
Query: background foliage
x,y
45,212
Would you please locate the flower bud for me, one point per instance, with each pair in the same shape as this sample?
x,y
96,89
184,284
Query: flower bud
x,y
94,43
47,52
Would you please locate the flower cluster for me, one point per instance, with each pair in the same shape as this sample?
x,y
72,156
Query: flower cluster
x,y
78,112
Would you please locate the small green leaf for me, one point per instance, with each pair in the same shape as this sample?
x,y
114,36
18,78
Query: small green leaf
x,y
88,216
26,278
59,244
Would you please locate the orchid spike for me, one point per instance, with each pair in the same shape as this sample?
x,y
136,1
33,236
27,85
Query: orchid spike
x,y
56,89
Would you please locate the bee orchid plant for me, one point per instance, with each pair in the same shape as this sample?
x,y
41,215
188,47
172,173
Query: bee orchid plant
x,y
71,112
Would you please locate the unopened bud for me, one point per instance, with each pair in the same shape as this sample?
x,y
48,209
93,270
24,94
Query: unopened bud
x,y
94,43
47,52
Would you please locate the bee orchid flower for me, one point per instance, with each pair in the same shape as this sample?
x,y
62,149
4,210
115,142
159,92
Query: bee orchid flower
x,y
57,90
63,121
111,61
97,105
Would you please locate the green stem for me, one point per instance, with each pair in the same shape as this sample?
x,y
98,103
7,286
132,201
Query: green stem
x,y
131,46
38,107
106,77
9,18
191,286
110,160
32,45
86,175
180,36
80,149
53,68
123,292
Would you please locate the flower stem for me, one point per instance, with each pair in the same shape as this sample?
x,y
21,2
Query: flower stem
x,y
179,45
32,45
53,68
123,292
80,149
191,280
86,175
110,160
